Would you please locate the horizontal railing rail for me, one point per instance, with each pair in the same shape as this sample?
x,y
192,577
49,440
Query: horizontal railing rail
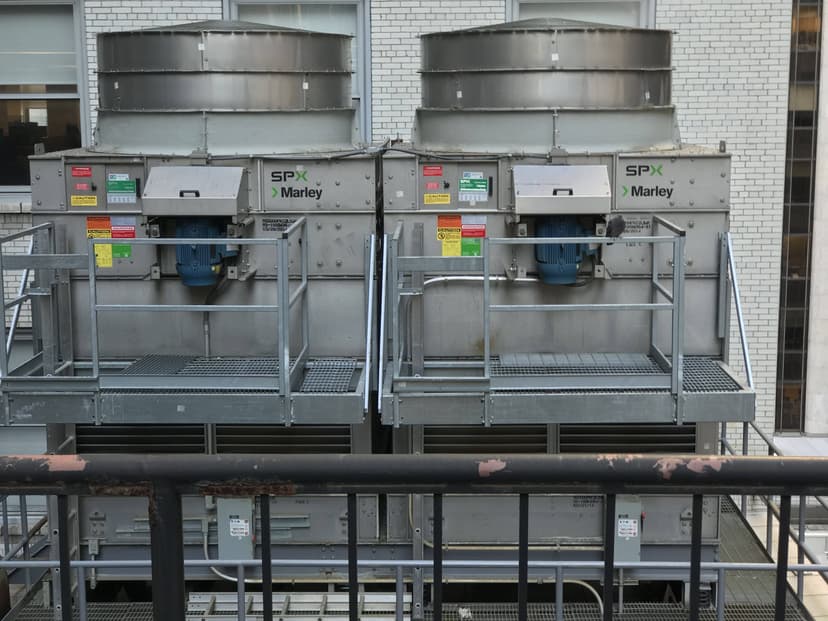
x,y
164,478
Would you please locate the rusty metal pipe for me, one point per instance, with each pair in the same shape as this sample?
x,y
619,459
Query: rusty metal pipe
x,y
247,475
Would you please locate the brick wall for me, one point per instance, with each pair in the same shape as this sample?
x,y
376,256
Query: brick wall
x,y
15,215
109,15
395,55
731,83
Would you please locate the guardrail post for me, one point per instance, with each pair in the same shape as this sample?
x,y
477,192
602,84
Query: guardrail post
x,y
241,596
353,575
800,549
64,606
523,558
782,557
267,566
609,554
399,608
559,585
437,580
695,555
167,543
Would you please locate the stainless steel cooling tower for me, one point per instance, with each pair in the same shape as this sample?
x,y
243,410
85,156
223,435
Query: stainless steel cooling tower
x,y
224,87
541,84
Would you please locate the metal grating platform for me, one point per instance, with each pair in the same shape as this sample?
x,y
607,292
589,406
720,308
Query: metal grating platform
x,y
329,375
575,364
326,375
194,366
478,612
701,374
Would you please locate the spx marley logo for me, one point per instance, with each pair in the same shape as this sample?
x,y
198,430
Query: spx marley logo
x,y
643,190
293,184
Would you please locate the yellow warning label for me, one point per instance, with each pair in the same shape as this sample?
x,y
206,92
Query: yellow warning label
x,y
103,255
100,227
437,199
452,247
78,200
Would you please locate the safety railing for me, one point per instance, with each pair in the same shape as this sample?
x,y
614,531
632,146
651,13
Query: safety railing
x,y
25,293
288,371
399,287
164,478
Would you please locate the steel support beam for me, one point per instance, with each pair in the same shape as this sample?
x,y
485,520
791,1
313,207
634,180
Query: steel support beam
x,y
167,545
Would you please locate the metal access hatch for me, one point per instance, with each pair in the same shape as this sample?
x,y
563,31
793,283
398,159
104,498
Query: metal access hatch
x,y
547,190
195,191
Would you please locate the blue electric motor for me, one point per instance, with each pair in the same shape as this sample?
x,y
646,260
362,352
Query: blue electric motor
x,y
199,265
558,263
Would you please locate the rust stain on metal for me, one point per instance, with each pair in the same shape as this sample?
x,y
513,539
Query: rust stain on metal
x,y
120,489
248,488
667,465
490,466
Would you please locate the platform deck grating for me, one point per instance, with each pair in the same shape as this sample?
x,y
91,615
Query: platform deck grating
x,y
478,612
701,374
326,375
329,375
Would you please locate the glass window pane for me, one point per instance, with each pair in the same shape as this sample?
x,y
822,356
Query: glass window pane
x,y
37,45
607,12
800,218
789,407
53,123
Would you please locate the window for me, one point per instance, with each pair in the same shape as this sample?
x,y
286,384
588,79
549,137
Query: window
x,y
39,99
337,16
630,13
797,224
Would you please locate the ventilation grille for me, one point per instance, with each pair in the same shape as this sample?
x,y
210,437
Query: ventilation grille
x,y
505,439
141,439
281,440
627,438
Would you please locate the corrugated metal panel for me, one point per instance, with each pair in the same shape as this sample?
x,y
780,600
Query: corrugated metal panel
x,y
279,439
141,439
652,438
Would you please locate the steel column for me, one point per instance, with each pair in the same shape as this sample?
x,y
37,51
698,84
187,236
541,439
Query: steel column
x,y
65,572
523,558
167,544
609,554
267,568
353,575
782,557
695,555
437,535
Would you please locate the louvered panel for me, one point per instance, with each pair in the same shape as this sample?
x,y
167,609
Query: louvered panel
x,y
140,439
276,439
627,438
500,439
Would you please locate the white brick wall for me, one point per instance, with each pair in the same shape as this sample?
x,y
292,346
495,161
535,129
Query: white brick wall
x,y
731,83
109,15
395,54
15,215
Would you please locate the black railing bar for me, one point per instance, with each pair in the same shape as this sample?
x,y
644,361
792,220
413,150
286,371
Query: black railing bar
x,y
425,563
559,584
800,547
437,555
6,534
24,528
523,558
82,612
63,571
267,559
353,560
695,556
241,596
782,558
128,475
609,555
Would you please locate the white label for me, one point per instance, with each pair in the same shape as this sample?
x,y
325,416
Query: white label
x,y
118,177
627,527
239,527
